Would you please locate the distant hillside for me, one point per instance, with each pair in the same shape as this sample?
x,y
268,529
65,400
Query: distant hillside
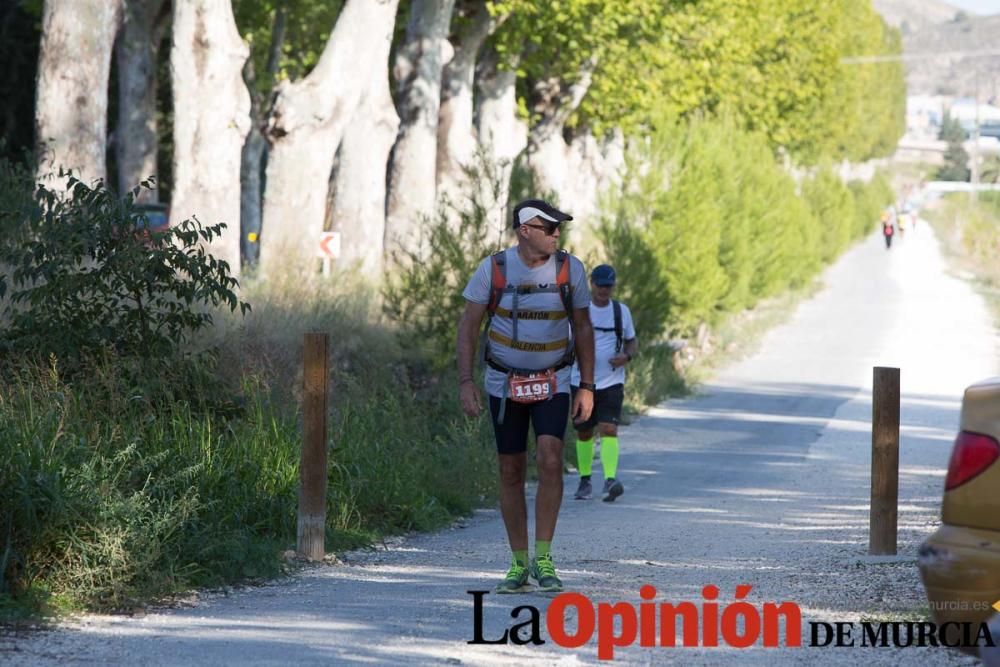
x,y
955,75
912,15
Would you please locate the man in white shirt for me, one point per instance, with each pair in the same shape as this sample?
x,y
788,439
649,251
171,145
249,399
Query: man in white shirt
x,y
615,344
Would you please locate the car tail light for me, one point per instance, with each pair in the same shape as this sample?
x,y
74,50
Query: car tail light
x,y
973,453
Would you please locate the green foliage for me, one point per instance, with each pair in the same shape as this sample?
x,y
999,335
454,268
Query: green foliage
x,y
832,205
723,233
630,249
865,111
307,27
687,231
554,42
652,377
970,230
20,28
956,160
705,222
951,129
85,276
773,66
870,199
423,294
990,170
107,501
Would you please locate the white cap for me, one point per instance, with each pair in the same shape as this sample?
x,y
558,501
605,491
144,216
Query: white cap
x,y
529,212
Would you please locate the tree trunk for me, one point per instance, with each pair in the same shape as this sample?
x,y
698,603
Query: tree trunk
x,y
255,148
211,120
307,125
71,103
456,147
135,53
501,133
412,171
546,146
576,172
251,166
358,208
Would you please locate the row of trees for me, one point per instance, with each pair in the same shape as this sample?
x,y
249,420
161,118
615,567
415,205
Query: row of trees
x,y
733,228
286,117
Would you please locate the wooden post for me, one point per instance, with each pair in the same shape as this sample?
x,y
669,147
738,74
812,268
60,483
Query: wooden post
x,y
885,462
312,464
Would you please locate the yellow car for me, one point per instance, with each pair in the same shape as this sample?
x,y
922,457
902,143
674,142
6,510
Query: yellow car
x,y
960,563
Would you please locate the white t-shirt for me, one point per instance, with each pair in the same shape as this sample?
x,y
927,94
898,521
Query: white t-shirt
x,y
529,330
604,341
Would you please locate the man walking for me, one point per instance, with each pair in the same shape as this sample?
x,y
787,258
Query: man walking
x,y
536,297
616,344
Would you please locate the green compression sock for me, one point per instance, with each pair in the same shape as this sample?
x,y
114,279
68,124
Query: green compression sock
x,y
542,547
584,456
609,455
521,557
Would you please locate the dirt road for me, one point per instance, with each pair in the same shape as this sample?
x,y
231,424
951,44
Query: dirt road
x,y
762,479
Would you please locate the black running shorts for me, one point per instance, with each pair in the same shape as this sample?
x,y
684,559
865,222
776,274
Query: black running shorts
x,y
607,407
546,417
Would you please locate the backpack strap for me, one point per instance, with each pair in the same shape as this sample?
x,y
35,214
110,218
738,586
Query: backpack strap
x,y
563,282
566,295
499,287
619,333
498,280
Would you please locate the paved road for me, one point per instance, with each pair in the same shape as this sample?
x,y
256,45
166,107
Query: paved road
x,y
761,479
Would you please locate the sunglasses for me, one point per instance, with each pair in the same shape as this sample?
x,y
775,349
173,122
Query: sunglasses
x,y
549,227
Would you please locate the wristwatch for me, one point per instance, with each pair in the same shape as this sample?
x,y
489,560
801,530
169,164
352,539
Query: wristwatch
x,y
589,386
628,356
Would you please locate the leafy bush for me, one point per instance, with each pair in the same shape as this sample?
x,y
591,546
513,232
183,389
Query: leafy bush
x,y
705,221
832,205
85,278
424,293
107,501
642,284
687,229
956,160
117,487
870,199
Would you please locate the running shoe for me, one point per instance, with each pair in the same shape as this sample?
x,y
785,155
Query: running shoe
x,y
612,489
584,491
543,570
515,581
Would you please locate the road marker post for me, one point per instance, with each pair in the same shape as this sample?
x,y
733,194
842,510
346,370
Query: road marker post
x,y
311,532
884,513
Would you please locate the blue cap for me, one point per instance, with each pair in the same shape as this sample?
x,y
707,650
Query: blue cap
x,y
603,275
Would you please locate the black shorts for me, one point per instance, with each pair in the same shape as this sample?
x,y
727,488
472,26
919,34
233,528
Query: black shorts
x,y
546,417
607,407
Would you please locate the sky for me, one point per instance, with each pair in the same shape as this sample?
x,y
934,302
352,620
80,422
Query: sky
x,y
978,6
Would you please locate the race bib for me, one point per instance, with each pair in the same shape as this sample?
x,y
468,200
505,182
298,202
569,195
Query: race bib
x,y
533,387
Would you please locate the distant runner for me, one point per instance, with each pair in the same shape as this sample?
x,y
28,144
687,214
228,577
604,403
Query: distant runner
x,y
616,344
887,230
536,296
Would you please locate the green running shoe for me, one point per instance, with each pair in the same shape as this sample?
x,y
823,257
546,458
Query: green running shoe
x,y
515,581
543,570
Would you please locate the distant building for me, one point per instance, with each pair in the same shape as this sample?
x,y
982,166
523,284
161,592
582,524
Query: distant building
x,y
964,109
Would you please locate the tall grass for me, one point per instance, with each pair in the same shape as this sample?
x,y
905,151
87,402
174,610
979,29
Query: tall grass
x,y
970,230
109,497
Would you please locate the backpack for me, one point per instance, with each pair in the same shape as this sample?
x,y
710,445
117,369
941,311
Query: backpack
x,y
499,287
619,332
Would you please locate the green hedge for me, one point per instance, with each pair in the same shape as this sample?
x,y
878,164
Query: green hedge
x,y
706,222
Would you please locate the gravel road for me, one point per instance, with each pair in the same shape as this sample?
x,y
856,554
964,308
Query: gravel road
x,y
761,479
